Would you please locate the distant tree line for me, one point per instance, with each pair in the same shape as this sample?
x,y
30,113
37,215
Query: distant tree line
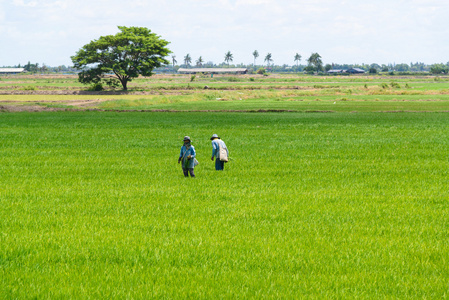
x,y
314,64
36,68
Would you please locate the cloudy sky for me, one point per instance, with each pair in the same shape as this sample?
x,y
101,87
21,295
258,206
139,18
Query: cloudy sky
x,y
341,31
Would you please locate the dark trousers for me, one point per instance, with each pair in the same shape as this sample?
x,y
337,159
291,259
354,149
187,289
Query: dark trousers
x,y
219,165
187,171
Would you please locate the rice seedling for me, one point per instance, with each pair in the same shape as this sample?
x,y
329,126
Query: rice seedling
x,y
317,205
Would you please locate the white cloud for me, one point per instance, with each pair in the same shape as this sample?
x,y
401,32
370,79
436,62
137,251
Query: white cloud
x,y
2,15
254,2
23,4
341,31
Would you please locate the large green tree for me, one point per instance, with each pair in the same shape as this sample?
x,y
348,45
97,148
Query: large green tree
x,y
132,52
315,61
402,67
439,69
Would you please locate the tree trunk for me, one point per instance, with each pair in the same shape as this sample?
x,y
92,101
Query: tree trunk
x,y
124,82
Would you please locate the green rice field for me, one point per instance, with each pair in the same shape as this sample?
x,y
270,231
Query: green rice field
x,y
319,200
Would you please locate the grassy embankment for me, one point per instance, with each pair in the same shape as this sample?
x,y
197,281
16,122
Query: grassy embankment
x,y
249,93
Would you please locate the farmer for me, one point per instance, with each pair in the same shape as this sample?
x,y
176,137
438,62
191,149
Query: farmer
x,y
187,156
217,143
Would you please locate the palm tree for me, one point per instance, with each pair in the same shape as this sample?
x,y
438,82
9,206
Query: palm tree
x,y
228,57
200,61
187,60
315,60
297,59
256,55
268,59
173,57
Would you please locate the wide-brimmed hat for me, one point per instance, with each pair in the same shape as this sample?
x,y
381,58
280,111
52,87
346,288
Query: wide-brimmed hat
x,y
214,136
186,138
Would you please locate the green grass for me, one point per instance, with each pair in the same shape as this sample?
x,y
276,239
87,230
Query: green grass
x,y
276,92
248,101
231,102
312,205
168,82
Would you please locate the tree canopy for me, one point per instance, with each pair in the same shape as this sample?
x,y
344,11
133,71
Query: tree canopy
x,y
315,61
187,59
132,52
200,61
256,55
439,69
228,57
268,59
297,58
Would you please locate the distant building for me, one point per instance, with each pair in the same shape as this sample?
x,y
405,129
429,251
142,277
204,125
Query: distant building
x,y
355,71
350,71
213,70
335,71
9,71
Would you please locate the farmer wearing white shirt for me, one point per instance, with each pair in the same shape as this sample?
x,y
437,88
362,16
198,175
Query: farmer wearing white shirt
x,y
216,144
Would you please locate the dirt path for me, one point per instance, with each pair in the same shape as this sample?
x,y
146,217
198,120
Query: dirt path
x,y
8,106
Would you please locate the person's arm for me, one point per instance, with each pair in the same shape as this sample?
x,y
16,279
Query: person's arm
x,y
192,152
214,150
180,155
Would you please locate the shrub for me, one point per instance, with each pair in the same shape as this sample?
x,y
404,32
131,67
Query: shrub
x,y
97,86
261,71
309,70
408,73
395,85
384,86
373,71
29,88
192,78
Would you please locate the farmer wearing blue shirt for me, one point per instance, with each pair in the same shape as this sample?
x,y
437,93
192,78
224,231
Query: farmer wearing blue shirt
x,y
187,156
216,144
